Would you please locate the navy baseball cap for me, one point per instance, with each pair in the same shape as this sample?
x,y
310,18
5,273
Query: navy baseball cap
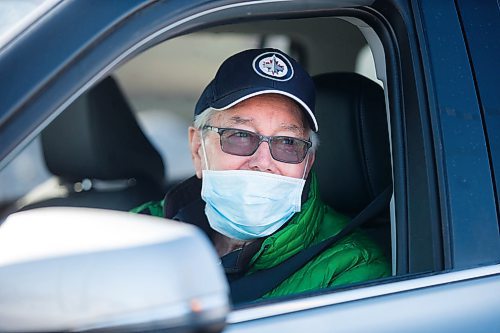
x,y
256,72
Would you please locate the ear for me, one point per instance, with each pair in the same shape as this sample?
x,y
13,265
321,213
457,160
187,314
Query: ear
x,y
195,147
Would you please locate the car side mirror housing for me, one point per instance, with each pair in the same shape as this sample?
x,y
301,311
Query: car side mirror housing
x,y
64,269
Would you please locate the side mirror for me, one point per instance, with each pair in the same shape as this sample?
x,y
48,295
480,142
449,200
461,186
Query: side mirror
x,y
65,269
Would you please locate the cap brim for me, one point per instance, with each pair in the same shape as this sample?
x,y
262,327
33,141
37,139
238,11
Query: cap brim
x,y
230,100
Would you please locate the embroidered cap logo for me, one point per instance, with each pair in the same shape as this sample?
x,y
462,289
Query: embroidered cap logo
x,y
273,66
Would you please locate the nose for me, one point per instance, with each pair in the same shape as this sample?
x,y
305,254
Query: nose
x,y
262,160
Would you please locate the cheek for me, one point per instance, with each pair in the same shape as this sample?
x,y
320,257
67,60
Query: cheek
x,y
218,160
291,170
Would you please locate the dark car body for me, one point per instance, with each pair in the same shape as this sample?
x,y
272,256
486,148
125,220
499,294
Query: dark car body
x,y
439,63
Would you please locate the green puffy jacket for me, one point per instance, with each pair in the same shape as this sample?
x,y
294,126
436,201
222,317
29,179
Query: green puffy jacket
x,y
354,259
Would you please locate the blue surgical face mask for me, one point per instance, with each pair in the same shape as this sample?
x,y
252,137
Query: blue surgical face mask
x,y
245,205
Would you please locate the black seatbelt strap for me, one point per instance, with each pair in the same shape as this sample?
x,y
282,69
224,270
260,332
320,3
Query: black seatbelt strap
x,y
254,286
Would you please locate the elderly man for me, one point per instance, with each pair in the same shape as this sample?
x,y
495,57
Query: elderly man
x,y
253,144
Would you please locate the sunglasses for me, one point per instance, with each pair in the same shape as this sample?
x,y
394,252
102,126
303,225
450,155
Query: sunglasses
x,y
244,143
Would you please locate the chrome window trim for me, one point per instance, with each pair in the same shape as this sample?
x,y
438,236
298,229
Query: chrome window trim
x,y
312,302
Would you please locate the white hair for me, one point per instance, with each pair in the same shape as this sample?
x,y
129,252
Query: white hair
x,y
206,116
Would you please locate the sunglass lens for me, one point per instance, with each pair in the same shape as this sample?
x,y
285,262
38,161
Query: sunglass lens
x,y
239,142
289,150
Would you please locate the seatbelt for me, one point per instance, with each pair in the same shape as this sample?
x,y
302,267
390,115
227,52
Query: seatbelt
x,y
253,286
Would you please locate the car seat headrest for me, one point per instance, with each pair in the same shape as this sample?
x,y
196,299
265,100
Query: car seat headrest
x,y
353,160
98,137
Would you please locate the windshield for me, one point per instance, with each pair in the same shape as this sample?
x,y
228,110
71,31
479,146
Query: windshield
x,y
16,15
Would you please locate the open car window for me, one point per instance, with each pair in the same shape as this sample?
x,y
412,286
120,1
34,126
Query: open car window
x,y
162,84
158,90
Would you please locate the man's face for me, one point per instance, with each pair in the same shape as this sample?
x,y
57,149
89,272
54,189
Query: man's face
x,y
269,115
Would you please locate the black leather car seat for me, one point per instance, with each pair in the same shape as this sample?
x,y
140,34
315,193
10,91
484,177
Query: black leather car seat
x,y
353,160
100,154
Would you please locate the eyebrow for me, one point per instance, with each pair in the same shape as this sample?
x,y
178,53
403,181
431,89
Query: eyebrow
x,y
237,120
293,128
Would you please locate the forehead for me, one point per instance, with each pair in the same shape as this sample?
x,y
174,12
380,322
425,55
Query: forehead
x,y
271,110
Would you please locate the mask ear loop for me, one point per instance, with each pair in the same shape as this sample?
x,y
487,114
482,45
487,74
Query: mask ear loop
x,y
203,149
305,167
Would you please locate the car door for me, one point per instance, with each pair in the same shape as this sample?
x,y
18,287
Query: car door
x,y
444,211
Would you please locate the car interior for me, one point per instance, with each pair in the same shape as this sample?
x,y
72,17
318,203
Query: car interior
x,y
124,141
100,155
353,158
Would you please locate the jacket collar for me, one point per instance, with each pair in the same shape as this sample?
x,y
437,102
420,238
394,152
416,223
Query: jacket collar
x,y
184,203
